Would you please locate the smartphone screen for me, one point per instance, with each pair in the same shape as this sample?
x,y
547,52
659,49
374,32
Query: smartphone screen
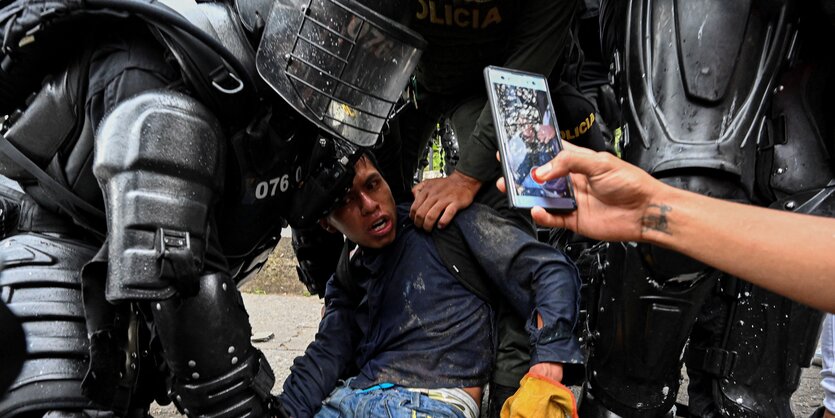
x,y
528,135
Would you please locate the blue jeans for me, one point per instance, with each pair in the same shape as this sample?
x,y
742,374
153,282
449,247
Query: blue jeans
x,y
395,402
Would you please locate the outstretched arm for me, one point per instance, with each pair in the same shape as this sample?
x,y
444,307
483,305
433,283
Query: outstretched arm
x,y
787,253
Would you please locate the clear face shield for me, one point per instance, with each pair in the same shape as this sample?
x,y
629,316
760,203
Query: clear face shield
x,y
338,63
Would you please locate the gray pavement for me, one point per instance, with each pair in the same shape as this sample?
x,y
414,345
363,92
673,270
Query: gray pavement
x,y
293,322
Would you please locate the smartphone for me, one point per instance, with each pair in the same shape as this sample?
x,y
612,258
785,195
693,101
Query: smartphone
x,y
529,137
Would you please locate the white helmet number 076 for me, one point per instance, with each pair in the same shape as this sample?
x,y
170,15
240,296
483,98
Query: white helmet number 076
x,y
269,188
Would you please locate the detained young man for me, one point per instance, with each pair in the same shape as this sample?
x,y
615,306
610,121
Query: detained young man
x,y
412,340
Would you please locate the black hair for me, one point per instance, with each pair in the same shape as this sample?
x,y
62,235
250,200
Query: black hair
x,y
367,153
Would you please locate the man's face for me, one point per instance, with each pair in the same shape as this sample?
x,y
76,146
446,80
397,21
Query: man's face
x,y
545,133
367,215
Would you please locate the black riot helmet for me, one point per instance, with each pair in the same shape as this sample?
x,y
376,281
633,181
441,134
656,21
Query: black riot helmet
x,y
339,63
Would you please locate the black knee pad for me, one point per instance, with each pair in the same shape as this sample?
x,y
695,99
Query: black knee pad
x,y
757,328
205,341
640,317
244,391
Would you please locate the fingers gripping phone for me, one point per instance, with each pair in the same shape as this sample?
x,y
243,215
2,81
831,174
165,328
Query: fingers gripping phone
x,y
528,135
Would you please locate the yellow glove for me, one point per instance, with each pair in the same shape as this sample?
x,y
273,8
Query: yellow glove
x,y
539,396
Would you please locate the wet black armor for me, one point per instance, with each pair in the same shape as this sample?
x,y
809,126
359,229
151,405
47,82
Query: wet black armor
x,y
160,165
727,99
156,175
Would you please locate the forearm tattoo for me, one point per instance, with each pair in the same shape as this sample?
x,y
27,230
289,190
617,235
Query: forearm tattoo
x,y
656,222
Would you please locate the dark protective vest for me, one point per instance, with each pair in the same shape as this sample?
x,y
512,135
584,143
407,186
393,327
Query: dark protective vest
x,y
719,106
267,154
463,38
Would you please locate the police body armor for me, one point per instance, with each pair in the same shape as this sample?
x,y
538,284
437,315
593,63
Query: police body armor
x,y
723,99
194,195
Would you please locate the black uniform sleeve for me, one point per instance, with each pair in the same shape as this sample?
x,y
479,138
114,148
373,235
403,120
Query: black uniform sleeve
x,y
538,39
534,278
315,374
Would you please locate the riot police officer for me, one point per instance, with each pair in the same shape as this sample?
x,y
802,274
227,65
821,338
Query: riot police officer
x,y
159,148
728,100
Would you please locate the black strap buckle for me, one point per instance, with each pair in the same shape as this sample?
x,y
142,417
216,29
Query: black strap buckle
x,y
714,361
174,247
170,239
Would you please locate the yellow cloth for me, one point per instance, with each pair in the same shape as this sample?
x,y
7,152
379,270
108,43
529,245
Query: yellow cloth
x,y
539,396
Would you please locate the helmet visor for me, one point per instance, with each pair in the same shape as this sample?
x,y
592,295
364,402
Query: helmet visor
x,y
338,63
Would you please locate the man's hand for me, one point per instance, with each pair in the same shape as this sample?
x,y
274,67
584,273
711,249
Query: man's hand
x,y
541,394
614,198
442,198
552,371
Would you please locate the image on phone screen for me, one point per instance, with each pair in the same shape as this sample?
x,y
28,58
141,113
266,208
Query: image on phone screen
x,y
528,135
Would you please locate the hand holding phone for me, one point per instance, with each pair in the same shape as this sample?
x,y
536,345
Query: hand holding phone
x,y
528,135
